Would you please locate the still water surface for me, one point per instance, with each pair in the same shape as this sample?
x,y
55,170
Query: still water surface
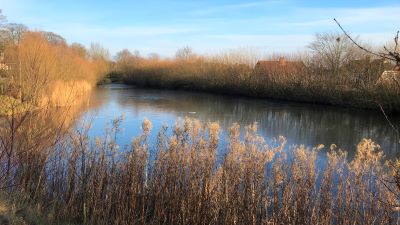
x,y
300,123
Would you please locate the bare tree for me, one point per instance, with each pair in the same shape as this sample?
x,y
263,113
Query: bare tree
x,y
2,17
125,60
154,56
98,52
15,31
54,38
123,55
79,49
392,54
137,53
184,53
332,51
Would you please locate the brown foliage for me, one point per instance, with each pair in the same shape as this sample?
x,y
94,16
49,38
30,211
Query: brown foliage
x,y
37,63
352,82
186,183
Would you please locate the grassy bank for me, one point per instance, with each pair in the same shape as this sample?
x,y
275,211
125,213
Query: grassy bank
x,y
88,181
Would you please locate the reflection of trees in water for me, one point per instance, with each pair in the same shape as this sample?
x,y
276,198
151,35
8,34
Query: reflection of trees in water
x,y
48,121
300,124
28,139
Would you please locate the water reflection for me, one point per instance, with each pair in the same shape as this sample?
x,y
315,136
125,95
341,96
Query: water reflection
x,y
299,123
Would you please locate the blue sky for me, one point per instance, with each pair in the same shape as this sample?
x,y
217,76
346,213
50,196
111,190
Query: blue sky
x,y
206,26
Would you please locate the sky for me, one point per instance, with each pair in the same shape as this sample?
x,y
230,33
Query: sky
x,y
208,27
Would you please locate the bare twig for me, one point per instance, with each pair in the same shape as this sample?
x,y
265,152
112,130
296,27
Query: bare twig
x,y
388,120
358,45
390,55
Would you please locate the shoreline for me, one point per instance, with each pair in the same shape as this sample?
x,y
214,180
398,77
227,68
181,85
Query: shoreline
x,y
263,96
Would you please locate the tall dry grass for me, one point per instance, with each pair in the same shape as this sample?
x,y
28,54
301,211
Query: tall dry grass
x,y
355,83
181,179
43,71
193,74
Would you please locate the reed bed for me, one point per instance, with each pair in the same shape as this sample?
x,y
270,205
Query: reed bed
x,y
41,72
181,179
356,84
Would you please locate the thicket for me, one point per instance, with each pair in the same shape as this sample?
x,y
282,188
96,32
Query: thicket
x,y
38,67
333,71
84,181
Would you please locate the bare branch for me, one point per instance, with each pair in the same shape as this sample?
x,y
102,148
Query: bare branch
x,y
393,56
388,120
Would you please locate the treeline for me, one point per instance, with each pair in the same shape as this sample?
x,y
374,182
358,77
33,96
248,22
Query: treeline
x,y
34,62
332,71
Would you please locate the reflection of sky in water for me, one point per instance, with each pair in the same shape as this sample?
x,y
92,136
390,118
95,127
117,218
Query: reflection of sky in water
x,y
299,123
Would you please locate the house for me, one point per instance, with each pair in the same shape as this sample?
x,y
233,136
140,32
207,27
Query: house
x,y
365,71
281,66
390,76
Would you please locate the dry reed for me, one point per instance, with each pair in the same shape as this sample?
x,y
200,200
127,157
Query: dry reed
x,y
94,182
354,84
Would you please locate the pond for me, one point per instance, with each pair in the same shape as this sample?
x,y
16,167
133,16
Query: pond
x,y
300,123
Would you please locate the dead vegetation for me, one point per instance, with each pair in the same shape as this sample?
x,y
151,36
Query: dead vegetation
x,y
333,71
94,182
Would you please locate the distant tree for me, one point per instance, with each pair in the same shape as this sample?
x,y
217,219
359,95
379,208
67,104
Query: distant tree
x,y
332,51
79,49
98,52
125,60
137,53
15,31
54,38
123,55
2,17
11,32
100,56
184,53
391,53
154,56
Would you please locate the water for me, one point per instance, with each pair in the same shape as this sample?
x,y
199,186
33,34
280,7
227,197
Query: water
x,y
306,124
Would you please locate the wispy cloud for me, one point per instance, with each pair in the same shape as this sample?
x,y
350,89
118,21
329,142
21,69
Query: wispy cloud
x,y
323,17
353,15
264,42
230,7
126,31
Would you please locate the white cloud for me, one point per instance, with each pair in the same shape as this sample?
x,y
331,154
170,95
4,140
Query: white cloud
x,y
229,7
126,31
350,16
